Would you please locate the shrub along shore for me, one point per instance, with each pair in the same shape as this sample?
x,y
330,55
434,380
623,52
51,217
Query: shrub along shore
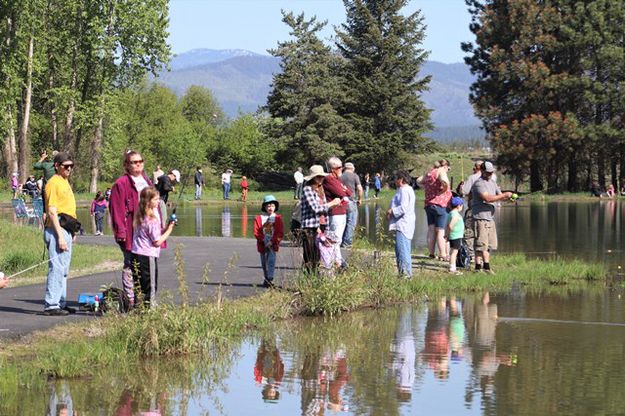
x,y
178,329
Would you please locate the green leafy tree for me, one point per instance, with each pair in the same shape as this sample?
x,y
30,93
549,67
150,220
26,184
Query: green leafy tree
x,y
383,104
243,145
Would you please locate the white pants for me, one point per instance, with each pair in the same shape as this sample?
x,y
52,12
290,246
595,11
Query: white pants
x,y
337,225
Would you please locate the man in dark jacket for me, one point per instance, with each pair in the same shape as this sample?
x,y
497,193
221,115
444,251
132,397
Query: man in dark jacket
x,y
166,183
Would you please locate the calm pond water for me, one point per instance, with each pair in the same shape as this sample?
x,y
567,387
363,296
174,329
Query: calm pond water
x,y
513,354
591,230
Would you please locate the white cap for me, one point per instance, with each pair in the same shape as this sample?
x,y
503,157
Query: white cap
x,y
176,175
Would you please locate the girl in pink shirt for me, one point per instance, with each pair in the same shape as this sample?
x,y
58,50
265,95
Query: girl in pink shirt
x,y
147,239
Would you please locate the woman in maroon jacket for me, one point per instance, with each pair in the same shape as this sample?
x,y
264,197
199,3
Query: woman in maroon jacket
x,y
122,206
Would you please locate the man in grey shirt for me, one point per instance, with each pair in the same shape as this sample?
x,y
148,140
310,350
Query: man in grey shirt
x,y
352,182
484,194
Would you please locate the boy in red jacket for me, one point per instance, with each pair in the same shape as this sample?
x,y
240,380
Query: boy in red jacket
x,y
269,231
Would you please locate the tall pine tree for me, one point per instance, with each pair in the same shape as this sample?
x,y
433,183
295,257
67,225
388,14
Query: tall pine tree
x,y
383,54
304,96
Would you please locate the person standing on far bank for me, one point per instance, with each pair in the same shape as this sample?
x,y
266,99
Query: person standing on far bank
x,y
225,182
299,183
59,235
199,182
352,182
484,194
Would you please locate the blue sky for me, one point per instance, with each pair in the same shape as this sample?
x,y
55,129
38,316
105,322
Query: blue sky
x,y
256,25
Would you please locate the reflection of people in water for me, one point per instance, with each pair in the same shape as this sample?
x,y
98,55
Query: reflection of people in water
x,y
225,222
332,377
244,221
130,405
269,369
404,352
312,404
456,329
198,222
486,360
60,399
436,351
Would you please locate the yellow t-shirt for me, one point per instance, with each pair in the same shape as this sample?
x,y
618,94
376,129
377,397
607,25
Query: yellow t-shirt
x,y
59,195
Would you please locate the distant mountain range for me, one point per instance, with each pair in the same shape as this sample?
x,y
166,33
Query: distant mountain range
x,y
240,81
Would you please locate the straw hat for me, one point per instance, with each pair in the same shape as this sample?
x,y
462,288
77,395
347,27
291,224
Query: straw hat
x,y
315,170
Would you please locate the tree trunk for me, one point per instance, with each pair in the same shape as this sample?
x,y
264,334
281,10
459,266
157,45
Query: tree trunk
x,y
53,118
572,185
613,173
69,119
22,141
96,153
621,177
601,168
10,149
536,181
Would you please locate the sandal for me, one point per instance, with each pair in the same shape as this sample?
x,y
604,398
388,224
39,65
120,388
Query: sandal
x,y
445,259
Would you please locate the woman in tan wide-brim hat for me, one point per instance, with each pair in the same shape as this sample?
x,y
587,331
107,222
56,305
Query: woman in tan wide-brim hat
x,y
315,209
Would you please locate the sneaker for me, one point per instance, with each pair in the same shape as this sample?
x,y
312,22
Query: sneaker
x,y
70,310
268,284
478,271
55,312
489,271
456,272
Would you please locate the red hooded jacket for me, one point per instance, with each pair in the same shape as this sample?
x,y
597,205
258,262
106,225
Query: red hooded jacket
x,y
278,233
123,203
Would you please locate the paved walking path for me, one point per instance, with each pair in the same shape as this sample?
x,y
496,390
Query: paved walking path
x,y
231,260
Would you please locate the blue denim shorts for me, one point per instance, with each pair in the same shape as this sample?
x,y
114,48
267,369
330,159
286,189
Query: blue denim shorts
x,y
437,216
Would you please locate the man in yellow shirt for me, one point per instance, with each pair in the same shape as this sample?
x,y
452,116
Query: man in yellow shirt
x,y
59,234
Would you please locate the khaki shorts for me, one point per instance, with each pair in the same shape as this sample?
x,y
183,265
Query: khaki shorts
x,y
485,235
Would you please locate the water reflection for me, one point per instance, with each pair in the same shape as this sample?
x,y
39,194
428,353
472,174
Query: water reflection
x,y
269,369
451,356
60,399
198,222
225,222
404,353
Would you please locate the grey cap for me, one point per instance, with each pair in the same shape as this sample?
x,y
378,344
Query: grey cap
x,y
349,165
488,167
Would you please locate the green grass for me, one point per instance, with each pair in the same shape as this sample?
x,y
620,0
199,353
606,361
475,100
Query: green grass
x,y
22,247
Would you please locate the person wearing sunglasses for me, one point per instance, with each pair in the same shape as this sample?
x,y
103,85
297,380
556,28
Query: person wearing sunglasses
x,y
123,203
59,235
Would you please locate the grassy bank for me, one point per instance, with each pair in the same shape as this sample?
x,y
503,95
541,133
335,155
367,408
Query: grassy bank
x,y
170,329
22,247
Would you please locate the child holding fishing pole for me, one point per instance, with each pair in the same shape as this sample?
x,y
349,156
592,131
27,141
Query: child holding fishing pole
x,y
269,231
148,236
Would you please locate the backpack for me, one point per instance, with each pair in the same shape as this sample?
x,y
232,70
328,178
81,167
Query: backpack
x,y
464,257
114,300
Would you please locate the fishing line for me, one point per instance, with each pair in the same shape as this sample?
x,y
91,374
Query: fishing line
x,y
32,267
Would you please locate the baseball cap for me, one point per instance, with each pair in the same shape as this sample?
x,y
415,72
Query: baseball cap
x,y
349,165
176,174
456,201
488,167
